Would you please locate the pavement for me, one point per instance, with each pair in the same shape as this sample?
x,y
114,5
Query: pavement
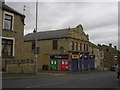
x,y
42,74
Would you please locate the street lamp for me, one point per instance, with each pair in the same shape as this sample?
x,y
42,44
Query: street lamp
x,y
36,70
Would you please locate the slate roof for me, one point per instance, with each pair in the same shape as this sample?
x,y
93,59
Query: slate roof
x,y
7,8
55,34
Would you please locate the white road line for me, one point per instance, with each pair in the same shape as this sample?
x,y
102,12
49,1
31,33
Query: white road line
x,y
45,84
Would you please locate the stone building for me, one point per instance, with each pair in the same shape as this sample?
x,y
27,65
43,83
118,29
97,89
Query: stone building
x,y
12,39
111,55
99,56
64,41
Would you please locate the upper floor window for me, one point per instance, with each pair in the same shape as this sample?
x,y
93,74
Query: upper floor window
x,y
80,46
8,21
86,47
55,44
92,51
107,50
76,46
72,45
7,47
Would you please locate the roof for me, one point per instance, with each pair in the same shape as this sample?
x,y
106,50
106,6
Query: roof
x,y
55,34
7,8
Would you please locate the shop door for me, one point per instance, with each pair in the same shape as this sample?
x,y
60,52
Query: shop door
x,y
81,62
91,60
74,65
64,65
86,62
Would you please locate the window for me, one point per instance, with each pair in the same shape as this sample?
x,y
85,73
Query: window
x,y
55,62
51,62
76,46
107,50
55,44
7,47
8,22
80,47
33,45
92,51
72,45
84,47
63,62
66,62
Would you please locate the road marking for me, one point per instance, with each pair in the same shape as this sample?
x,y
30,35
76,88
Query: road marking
x,y
45,85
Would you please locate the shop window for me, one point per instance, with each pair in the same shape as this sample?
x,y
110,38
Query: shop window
x,y
51,62
55,62
7,47
63,62
55,44
66,62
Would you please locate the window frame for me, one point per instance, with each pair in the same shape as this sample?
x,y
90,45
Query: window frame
x,y
12,21
72,44
55,44
80,46
76,46
13,46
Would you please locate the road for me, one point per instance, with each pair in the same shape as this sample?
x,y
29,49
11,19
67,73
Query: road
x,y
106,79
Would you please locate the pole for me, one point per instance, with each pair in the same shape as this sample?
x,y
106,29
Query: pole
x,y
36,37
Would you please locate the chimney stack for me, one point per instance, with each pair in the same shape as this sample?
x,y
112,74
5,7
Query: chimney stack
x,y
115,47
110,45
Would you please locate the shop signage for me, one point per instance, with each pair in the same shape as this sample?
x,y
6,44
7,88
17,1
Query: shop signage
x,y
92,56
75,56
59,56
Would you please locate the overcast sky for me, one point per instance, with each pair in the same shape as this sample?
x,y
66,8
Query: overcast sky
x,y
99,19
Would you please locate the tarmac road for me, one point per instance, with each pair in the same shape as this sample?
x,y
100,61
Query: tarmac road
x,y
106,79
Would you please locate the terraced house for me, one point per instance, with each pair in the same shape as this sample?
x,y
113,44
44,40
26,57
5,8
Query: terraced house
x,y
111,55
55,45
12,38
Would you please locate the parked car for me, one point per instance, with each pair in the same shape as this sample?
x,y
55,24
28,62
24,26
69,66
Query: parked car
x,y
113,68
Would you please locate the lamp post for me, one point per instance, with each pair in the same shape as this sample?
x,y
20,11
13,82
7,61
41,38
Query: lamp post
x,y
36,70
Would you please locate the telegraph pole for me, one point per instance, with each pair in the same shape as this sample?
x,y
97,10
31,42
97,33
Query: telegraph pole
x,y
36,70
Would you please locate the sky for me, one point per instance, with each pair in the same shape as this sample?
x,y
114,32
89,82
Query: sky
x,y
98,18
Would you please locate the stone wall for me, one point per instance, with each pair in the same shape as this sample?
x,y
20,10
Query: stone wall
x,y
20,66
